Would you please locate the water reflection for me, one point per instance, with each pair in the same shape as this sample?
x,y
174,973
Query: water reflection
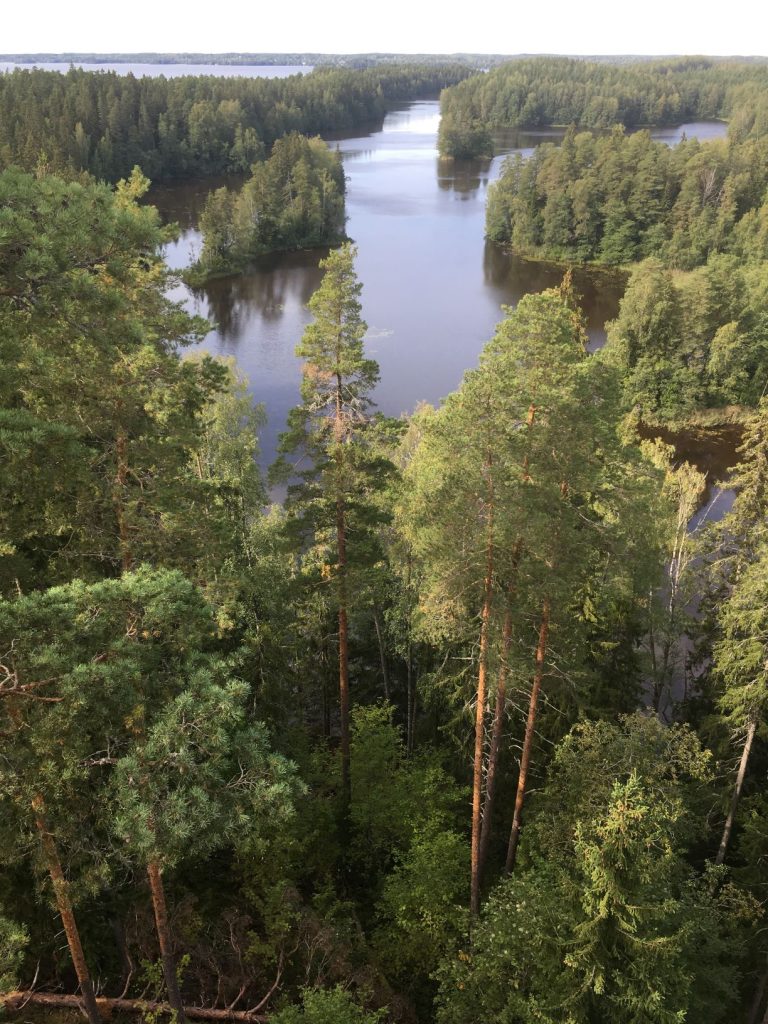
x,y
463,176
513,276
261,294
433,288
183,203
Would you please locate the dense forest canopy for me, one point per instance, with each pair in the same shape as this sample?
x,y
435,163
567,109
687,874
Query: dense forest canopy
x,y
293,200
688,341
619,198
561,91
470,728
106,123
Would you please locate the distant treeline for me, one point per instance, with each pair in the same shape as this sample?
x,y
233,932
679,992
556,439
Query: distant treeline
x,y
560,91
105,123
342,60
619,198
350,60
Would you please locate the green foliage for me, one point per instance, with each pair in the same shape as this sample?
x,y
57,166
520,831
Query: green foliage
x,y
595,756
13,941
105,123
202,777
293,200
739,653
683,344
614,927
395,800
87,667
617,198
540,91
331,435
327,1006
90,345
422,912
463,139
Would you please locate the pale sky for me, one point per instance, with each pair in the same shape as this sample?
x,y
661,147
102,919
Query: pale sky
x,y
399,26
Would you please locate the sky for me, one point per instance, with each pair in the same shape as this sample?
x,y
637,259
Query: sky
x,y
398,26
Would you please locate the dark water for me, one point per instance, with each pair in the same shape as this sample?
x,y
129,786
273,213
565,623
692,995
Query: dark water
x,y
433,288
172,70
714,452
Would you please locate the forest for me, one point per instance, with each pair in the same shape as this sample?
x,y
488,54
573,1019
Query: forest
x,y
469,726
561,91
339,60
106,124
293,200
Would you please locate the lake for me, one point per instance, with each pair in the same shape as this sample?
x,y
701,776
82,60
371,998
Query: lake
x,y
433,288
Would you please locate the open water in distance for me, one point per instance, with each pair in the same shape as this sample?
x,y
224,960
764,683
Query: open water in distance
x,y
433,288
171,70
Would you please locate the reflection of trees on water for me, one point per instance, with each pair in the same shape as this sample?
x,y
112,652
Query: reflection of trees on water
x,y
462,176
511,277
182,203
467,176
262,293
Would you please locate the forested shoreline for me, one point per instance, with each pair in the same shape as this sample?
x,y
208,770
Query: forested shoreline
x,y
106,124
470,727
562,91
293,200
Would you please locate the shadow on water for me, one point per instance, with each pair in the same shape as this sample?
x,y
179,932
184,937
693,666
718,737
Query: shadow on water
x,y
182,202
463,176
714,452
599,290
237,303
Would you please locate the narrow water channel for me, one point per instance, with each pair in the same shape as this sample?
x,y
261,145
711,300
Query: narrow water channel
x,y
433,288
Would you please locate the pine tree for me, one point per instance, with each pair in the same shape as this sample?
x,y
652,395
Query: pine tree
x,y
338,468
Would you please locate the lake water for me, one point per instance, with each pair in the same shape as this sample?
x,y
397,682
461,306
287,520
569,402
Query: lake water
x,y
433,288
171,70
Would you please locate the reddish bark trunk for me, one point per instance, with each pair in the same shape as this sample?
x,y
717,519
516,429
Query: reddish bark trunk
x,y
341,543
530,726
493,754
482,696
64,906
17,1000
160,907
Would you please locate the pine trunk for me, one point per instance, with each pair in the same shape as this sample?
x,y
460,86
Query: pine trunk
x,y
64,906
341,544
751,728
411,689
482,696
530,726
382,652
493,754
118,498
141,1007
160,907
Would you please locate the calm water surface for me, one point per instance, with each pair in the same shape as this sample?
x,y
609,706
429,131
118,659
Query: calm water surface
x,y
433,288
